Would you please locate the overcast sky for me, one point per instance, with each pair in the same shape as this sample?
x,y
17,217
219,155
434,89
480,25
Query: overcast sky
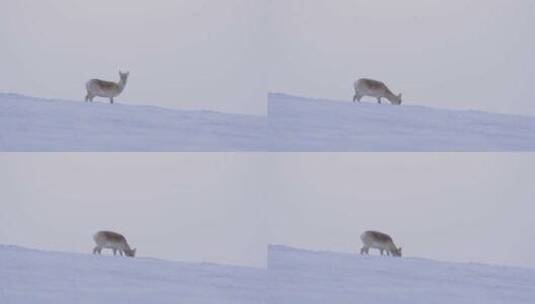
x,y
226,208
475,54
225,55
202,54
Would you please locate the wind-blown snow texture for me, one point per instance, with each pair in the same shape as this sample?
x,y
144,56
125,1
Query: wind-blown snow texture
x,y
292,124
293,276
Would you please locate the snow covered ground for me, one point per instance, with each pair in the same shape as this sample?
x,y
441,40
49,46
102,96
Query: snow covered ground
x,y
322,125
33,277
32,124
301,276
292,124
293,276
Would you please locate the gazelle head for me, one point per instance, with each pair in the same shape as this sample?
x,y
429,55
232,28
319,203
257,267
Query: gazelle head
x,y
398,100
396,252
124,76
130,252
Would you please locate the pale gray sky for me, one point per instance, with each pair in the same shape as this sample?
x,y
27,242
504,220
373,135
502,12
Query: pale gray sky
x,y
188,207
469,54
227,208
453,207
202,54
225,55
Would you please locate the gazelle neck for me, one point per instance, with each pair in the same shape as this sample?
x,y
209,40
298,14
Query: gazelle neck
x,y
122,84
127,246
391,97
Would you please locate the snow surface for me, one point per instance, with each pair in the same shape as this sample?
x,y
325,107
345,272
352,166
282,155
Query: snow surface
x,y
301,276
324,125
32,124
33,277
293,276
292,124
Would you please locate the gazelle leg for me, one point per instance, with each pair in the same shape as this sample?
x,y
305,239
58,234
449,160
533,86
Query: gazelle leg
x,y
111,100
379,100
114,252
96,250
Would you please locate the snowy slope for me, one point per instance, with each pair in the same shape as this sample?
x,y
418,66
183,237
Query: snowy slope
x,y
33,277
300,276
31,124
323,125
293,276
292,124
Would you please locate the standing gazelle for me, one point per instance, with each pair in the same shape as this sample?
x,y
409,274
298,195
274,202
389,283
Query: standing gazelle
x,y
374,88
113,241
381,241
107,89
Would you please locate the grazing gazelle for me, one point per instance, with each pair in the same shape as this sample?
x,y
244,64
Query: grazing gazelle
x,y
381,241
107,89
113,241
374,88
